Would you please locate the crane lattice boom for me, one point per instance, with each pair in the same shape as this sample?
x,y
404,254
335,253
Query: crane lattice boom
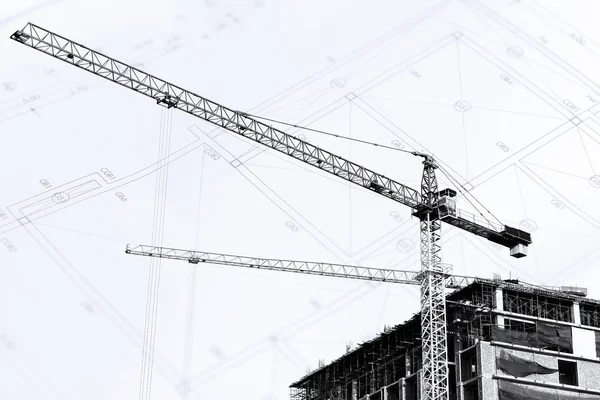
x,y
172,96
302,267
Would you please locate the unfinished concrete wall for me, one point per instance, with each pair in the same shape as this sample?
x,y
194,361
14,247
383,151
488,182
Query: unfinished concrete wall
x,y
486,361
544,360
489,388
588,373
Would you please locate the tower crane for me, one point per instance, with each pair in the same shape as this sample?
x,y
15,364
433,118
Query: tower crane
x,y
430,205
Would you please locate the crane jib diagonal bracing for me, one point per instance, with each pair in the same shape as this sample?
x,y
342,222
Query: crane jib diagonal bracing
x,y
430,205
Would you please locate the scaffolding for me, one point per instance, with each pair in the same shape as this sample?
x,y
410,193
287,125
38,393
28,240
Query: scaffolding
x,y
539,306
396,352
589,314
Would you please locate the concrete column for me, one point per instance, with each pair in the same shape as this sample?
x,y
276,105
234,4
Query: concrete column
x,y
500,305
402,389
459,380
576,314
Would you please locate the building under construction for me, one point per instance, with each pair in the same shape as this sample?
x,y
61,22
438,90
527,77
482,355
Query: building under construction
x,y
506,340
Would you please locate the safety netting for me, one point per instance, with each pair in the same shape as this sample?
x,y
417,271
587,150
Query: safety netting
x,y
545,335
519,367
514,391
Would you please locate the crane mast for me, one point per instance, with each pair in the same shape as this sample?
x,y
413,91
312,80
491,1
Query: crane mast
x,y
429,205
433,299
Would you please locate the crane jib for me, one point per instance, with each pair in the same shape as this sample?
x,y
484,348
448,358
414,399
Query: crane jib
x,y
172,96
306,267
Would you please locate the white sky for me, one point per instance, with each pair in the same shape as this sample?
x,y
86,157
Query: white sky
x,y
72,304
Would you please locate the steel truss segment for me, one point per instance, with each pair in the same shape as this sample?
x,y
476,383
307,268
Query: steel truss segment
x,y
306,267
433,315
433,298
171,95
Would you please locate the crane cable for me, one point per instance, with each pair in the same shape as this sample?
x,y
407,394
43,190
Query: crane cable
x,y
458,186
442,169
153,290
328,133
